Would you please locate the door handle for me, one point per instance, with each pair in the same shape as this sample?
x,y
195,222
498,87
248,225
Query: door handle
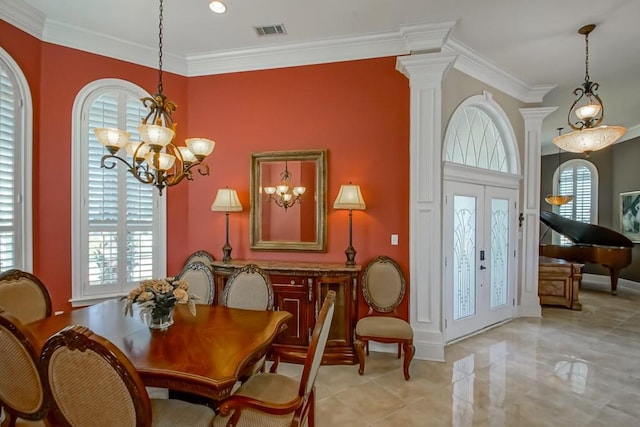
x,y
482,267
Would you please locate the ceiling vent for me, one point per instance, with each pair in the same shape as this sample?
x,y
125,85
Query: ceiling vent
x,y
271,30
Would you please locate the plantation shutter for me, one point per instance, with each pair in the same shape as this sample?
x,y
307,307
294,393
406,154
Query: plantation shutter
x,y
576,179
9,227
120,210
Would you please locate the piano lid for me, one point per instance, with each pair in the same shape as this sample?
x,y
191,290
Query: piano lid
x,y
582,233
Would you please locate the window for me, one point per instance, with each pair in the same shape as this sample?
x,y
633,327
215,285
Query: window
x,y
479,135
119,223
15,167
578,177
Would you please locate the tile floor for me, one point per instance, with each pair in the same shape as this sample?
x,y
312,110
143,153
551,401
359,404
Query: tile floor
x,y
570,368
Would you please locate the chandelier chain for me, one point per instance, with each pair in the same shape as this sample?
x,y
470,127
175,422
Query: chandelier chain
x,y
586,57
160,27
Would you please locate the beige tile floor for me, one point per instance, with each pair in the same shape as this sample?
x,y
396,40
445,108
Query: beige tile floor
x,y
569,368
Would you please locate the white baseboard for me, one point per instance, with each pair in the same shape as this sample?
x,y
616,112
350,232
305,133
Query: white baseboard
x,y
605,281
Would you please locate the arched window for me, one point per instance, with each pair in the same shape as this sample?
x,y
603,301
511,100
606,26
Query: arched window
x,y
16,117
476,136
577,177
119,224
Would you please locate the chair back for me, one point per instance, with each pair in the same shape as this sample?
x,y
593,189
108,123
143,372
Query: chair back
x,y
24,296
21,392
91,382
317,345
200,256
248,288
199,277
383,284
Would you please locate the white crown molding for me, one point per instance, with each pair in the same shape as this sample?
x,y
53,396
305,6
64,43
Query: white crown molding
x,y
405,40
473,64
23,16
113,47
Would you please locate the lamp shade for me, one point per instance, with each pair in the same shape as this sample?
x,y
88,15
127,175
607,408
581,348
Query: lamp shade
x,y
589,139
226,201
349,197
112,137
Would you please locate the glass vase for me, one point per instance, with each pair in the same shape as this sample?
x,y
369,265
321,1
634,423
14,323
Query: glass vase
x,y
160,320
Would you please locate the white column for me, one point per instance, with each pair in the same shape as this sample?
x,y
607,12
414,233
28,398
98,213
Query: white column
x,y
425,73
529,303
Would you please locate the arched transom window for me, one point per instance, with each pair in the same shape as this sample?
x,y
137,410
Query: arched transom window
x,y
476,136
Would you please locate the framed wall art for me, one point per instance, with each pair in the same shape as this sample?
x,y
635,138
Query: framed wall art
x,y
630,215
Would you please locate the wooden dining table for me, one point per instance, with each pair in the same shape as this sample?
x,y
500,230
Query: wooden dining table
x,y
203,354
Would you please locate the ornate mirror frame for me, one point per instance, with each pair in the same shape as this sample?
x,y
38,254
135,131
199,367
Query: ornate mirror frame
x,y
317,195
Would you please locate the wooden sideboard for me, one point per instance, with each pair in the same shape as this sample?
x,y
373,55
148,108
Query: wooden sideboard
x,y
300,288
559,282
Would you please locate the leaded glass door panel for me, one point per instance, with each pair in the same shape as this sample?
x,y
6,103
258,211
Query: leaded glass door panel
x,y
479,248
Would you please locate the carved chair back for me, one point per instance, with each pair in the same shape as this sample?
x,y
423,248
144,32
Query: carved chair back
x,y
21,392
248,288
91,382
24,295
200,279
383,285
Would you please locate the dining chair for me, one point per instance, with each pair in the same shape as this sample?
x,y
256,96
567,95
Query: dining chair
x,y
24,295
201,256
248,288
92,383
200,279
274,400
383,288
21,392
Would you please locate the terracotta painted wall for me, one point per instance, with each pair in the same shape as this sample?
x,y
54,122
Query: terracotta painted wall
x,y
358,111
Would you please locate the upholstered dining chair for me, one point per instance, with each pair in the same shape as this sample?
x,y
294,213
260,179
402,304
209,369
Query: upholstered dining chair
x,y
201,256
92,383
248,288
276,400
383,288
21,392
24,295
200,279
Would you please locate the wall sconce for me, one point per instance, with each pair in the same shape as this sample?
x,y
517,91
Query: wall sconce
x,y
350,198
226,201
280,193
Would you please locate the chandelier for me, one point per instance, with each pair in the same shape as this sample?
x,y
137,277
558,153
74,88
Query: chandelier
x,y
559,199
280,193
586,114
156,160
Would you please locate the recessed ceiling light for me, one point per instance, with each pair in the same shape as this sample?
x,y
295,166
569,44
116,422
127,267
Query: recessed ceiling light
x,y
217,6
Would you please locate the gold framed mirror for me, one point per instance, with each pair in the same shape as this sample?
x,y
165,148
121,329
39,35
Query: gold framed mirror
x,y
288,201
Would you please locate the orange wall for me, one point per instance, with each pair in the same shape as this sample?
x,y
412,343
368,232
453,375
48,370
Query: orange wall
x,y
357,110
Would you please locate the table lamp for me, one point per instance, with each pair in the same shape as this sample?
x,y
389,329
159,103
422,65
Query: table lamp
x,y
226,201
350,198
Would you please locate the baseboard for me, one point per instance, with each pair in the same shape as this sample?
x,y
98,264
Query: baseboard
x,y
424,351
604,282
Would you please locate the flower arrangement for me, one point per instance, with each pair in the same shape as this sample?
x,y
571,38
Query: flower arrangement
x,y
156,298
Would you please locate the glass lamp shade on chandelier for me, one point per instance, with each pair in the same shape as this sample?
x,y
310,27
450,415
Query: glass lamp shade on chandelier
x,y
559,199
586,115
280,194
156,160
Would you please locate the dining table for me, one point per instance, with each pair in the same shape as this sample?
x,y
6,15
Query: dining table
x,y
205,354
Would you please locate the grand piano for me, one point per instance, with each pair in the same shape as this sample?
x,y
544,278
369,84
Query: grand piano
x,y
592,243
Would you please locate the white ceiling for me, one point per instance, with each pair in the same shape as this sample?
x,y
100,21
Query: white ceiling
x,y
534,41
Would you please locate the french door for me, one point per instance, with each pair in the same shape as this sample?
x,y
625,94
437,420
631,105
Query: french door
x,y
479,249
